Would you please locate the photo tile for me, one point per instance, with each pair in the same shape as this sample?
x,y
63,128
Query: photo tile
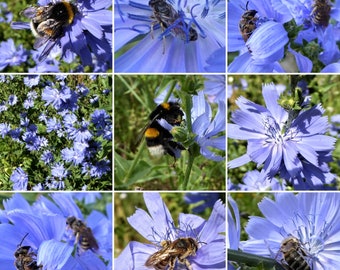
x,y
166,229
283,230
283,37
56,132
160,36
283,132
58,230
169,132
56,36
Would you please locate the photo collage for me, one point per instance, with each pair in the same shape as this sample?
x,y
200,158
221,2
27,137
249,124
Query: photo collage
x,y
169,134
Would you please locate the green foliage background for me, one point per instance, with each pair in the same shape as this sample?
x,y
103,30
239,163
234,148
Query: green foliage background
x,y
324,89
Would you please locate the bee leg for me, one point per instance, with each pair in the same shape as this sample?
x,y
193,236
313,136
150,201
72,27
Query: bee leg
x,y
186,262
163,38
284,265
151,29
172,263
76,242
151,32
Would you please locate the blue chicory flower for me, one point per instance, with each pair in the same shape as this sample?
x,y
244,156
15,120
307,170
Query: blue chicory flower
x,y
12,100
214,88
19,179
252,180
4,129
208,130
100,168
205,200
170,49
234,227
89,35
311,218
264,47
299,152
58,171
42,227
5,14
10,55
47,157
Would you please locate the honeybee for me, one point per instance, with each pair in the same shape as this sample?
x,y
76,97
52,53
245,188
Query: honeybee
x,y
293,254
25,258
83,234
171,252
321,12
247,23
167,16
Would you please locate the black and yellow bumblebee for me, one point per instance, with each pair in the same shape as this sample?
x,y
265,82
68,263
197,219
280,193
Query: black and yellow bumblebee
x,y
158,138
48,23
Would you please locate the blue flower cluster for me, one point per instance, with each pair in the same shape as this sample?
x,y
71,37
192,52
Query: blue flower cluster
x,y
59,130
52,244
283,36
312,219
165,35
86,42
159,226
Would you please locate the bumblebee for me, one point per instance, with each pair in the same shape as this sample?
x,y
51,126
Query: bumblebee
x,y
321,12
48,23
83,234
159,139
172,252
294,254
25,258
169,111
168,17
247,23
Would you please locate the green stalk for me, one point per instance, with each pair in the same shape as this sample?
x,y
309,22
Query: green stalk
x,y
253,260
187,172
186,99
133,165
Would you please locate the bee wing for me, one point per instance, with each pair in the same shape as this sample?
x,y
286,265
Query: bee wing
x,y
176,251
87,233
29,12
47,49
40,41
157,257
141,133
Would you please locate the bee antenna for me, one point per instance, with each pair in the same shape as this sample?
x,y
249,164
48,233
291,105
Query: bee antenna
x,y
23,240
